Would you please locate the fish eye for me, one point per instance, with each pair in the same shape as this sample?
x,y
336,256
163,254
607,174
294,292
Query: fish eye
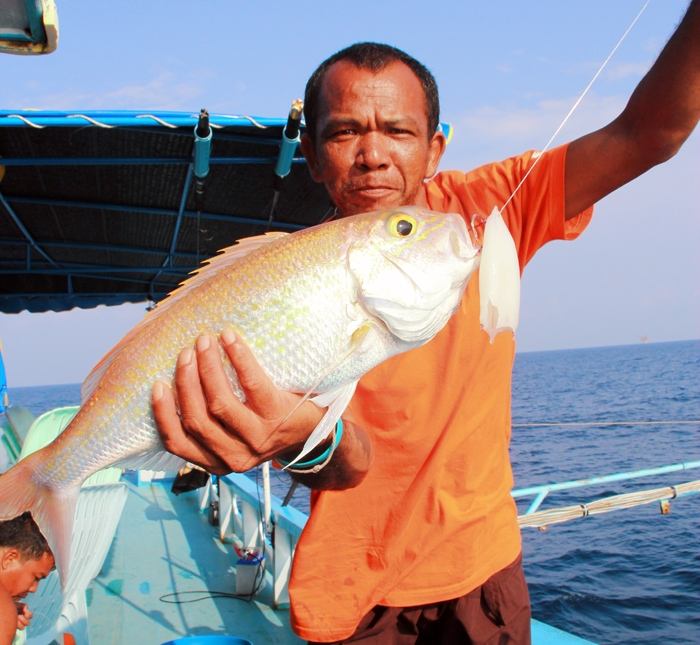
x,y
402,225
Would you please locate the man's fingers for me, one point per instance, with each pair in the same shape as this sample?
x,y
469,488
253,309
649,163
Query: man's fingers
x,y
261,393
220,399
211,426
174,437
192,403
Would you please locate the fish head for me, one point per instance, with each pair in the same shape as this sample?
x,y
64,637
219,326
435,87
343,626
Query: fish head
x,y
411,269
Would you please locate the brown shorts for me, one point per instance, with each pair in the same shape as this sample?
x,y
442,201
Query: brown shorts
x,y
497,612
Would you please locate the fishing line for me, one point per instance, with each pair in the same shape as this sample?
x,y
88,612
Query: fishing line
x,y
578,101
204,594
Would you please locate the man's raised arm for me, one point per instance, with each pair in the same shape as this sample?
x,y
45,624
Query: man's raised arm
x,y
660,115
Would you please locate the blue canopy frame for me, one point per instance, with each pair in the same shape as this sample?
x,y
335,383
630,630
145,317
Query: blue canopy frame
x,y
98,207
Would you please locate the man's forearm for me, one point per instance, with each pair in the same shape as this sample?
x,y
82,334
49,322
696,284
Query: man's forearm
x,y
665,106
658,118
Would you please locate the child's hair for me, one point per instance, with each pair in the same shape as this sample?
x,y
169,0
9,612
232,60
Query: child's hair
x,y
23,534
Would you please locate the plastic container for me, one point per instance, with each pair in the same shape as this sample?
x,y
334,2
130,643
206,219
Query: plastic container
x,y
210,639
247,573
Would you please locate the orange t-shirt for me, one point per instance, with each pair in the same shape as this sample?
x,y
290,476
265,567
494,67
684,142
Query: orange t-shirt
x,y
434,518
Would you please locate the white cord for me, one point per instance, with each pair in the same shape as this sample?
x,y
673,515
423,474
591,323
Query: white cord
x,y
578,100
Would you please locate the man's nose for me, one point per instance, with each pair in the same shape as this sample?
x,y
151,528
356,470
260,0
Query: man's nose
x,y
373,153
33,587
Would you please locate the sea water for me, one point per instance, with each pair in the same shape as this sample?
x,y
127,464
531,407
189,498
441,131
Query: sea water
x,y
630,576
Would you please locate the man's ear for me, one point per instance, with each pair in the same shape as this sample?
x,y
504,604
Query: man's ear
x,y
309,151
437,146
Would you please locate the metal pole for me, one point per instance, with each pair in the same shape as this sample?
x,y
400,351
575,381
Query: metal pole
x,y
267,499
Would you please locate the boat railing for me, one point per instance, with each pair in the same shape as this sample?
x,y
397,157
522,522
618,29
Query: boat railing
x,y
533,517
241,514
241,520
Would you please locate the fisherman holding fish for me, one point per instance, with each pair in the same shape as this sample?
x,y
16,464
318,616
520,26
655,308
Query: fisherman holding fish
x,y
25,560
413,535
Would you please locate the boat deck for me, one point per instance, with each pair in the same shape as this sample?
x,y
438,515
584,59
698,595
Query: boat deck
x,y
164,544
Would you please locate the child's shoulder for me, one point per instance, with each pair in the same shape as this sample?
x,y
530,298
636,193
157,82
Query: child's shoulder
x,y
8,617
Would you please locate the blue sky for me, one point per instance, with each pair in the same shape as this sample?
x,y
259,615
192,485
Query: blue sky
x,y
508,73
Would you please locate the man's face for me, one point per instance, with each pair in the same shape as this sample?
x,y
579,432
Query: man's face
x,y
372,147
21,576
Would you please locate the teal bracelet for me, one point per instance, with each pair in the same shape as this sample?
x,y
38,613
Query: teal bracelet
x,y
325,455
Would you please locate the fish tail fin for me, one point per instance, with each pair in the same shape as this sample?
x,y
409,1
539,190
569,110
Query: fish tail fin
x,y
52,509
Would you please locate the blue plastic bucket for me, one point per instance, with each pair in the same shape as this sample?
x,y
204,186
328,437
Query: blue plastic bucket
x,y
211,639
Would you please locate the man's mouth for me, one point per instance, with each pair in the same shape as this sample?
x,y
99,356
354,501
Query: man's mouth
x,y
373,189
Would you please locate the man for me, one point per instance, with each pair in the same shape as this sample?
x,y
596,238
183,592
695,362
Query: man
x,y
413,536
25,559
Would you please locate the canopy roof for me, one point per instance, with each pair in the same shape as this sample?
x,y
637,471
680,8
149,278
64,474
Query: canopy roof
x,y
99,207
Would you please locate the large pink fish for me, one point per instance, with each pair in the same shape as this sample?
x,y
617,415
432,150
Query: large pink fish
x,y
319,308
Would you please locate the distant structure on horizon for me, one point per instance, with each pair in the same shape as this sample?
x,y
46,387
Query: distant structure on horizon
x,y
644,339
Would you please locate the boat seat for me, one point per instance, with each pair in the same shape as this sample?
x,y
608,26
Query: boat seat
x,y
47,427
13,433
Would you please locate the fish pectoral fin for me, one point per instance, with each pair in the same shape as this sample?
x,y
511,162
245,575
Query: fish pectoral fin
x,y
336,400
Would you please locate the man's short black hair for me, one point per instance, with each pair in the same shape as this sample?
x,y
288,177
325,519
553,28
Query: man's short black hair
x,y
23,534
374,57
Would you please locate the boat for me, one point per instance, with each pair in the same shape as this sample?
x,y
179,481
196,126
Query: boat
x,y
143,238
158,192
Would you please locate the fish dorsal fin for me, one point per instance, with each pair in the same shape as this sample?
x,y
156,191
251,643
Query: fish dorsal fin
x,y
217,263
209,268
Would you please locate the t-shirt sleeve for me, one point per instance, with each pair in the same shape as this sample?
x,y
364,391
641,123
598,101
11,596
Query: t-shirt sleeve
x,y
535,215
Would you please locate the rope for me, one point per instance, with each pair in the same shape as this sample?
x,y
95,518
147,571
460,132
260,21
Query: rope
x,y
89,119
243,116
585,424
541,519
26,120
153,117
578,101
157,119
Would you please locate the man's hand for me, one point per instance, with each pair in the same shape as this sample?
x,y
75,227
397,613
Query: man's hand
x,y
210,426
24,615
